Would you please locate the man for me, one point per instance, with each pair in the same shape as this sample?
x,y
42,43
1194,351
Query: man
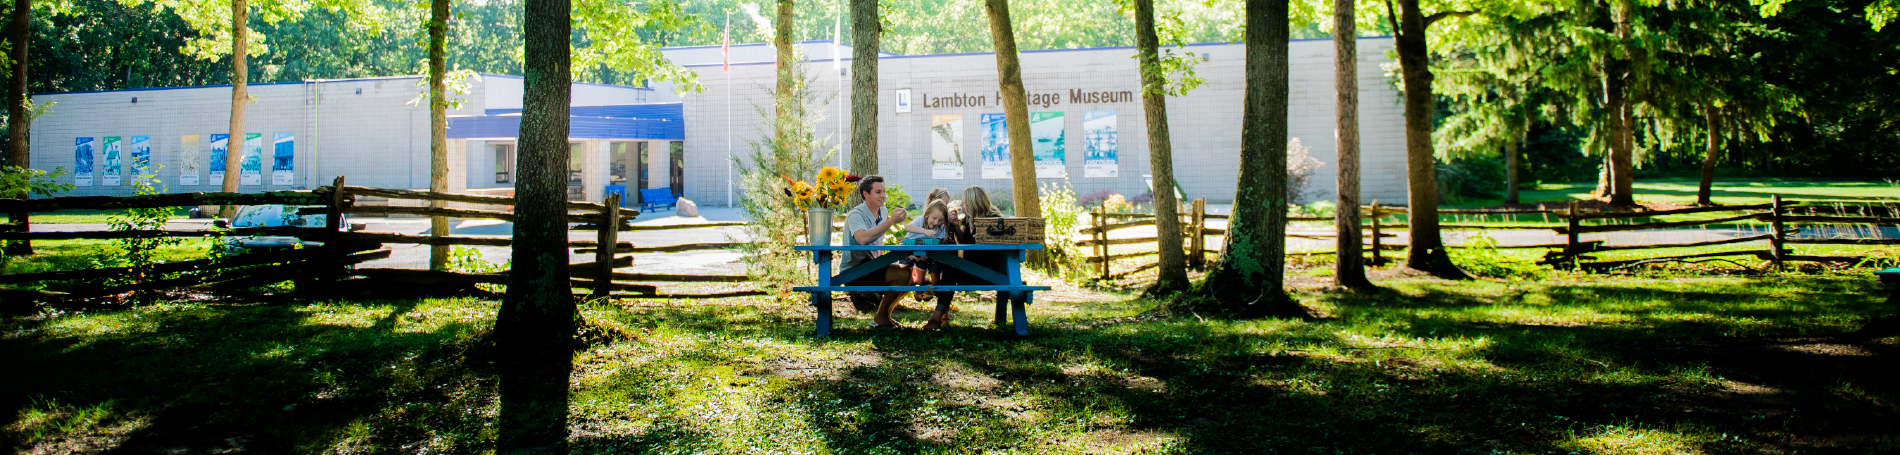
x,y
866,224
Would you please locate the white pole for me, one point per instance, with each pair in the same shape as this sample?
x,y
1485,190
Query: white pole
x,y
730,176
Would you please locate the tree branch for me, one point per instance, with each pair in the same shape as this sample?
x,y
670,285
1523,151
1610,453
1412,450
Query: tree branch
x,y
1391,16
1445,15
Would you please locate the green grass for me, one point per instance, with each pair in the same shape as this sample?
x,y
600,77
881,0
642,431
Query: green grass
x,y
88,216
82,254
1725,192
1567,364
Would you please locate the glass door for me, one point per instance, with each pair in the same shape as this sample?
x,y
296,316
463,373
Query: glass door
x,y
677,152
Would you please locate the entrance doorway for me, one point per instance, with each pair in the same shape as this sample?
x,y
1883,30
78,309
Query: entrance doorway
x,y
641,151
676,151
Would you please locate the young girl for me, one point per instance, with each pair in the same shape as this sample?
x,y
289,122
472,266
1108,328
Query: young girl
x,y
928,229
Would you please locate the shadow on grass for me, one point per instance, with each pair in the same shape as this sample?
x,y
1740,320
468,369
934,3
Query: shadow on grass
x,y
252,378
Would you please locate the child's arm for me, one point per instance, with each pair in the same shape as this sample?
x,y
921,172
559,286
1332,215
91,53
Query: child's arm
x,y
919,229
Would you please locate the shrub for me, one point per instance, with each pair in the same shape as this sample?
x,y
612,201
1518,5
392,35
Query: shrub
x,y
1094,198
1061,215
1299,170
788,148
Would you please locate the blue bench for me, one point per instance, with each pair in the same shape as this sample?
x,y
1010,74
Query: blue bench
x,y
651,199
1012,296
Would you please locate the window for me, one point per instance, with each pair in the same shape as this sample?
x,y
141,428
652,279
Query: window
x,y
617,163
504,163
574,160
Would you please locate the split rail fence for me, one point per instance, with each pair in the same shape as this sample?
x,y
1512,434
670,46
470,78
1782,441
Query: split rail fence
x,y
1572,252
323,266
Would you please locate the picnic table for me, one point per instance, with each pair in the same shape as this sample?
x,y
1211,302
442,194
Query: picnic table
x,y
1011,293
1891,278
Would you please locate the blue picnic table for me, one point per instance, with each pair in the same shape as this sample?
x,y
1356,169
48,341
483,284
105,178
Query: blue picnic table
x,y
1011,294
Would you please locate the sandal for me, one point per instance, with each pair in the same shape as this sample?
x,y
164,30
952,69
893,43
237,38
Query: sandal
x,y
891,326
936,322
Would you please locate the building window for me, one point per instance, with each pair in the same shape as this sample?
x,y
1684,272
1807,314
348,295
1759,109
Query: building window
x,y
617,163
574,161
504,163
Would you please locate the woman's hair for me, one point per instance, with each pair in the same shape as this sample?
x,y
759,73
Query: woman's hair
x,y
939,208
976,203
938,194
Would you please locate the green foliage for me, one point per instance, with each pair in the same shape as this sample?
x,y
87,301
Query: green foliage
x,y
896,198
468,259
788,148
141,253
17,182
1482,257
1476,176
1061,217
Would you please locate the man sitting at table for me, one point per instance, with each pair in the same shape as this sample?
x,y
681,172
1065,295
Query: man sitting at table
x,y
867,224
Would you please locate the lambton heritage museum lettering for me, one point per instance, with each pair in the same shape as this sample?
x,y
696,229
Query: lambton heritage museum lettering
x,y
1076,96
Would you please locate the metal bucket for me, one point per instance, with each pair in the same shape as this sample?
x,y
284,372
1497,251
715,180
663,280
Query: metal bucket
x,y
818,227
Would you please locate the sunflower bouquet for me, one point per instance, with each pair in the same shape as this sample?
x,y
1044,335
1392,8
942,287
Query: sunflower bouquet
x,y
831,188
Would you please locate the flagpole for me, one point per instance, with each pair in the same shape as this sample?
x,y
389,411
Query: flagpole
x,y
836,48
725,52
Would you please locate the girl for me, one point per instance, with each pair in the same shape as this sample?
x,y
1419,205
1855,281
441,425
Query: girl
x,y
929,229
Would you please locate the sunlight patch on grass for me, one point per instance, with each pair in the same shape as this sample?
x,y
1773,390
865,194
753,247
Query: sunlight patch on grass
x,y
74,428
1632,439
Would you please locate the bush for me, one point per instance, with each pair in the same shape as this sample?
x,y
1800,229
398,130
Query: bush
x,y
1004,199
1094,198
1299,170
1470,177
1061,216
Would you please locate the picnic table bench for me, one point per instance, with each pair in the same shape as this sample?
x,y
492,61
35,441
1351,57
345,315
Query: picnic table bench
x,y
1011,294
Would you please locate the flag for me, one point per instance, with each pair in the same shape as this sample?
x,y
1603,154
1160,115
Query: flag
x,y
725,47
837,29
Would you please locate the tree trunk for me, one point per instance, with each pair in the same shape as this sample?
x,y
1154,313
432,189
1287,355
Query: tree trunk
x,y
1250,276
1616,108
1714,118
866,28
17,121
1154,103
438,128
1510,169
1427,250
782,41
1622,180
1009,76
240,98
1349,270
534,330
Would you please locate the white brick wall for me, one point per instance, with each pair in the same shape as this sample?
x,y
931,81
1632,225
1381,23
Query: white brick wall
x,y
1205,123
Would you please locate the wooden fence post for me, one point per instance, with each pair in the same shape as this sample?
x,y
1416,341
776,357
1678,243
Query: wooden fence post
x,y
1570,237
1101,238
1375,234
608,240
1197,256
1777,239
333,221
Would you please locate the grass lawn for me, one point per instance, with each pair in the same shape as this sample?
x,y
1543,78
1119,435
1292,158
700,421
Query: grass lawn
x,y
1567,364
90,216
1742,192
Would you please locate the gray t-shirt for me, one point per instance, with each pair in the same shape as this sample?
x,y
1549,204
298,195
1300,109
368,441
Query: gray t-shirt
x,y
858,219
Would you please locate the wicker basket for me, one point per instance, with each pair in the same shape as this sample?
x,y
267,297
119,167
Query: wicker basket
x,y
1007,230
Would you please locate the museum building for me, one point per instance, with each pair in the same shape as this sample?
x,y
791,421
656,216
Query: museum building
x,y
940,126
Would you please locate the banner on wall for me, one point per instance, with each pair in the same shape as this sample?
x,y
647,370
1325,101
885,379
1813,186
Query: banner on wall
x,y
283,158
1098,133
946,146
251,168
995,146
220,143
109,175
1045,130
142,158
190,150
82,161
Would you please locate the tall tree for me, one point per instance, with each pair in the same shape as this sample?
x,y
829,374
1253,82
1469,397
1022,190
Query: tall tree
x,y
438,127
1714,131
1250,276
1427,250
782,42
17,121
866,28
1009,77
534,330
240,99
1154,104
1349,270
